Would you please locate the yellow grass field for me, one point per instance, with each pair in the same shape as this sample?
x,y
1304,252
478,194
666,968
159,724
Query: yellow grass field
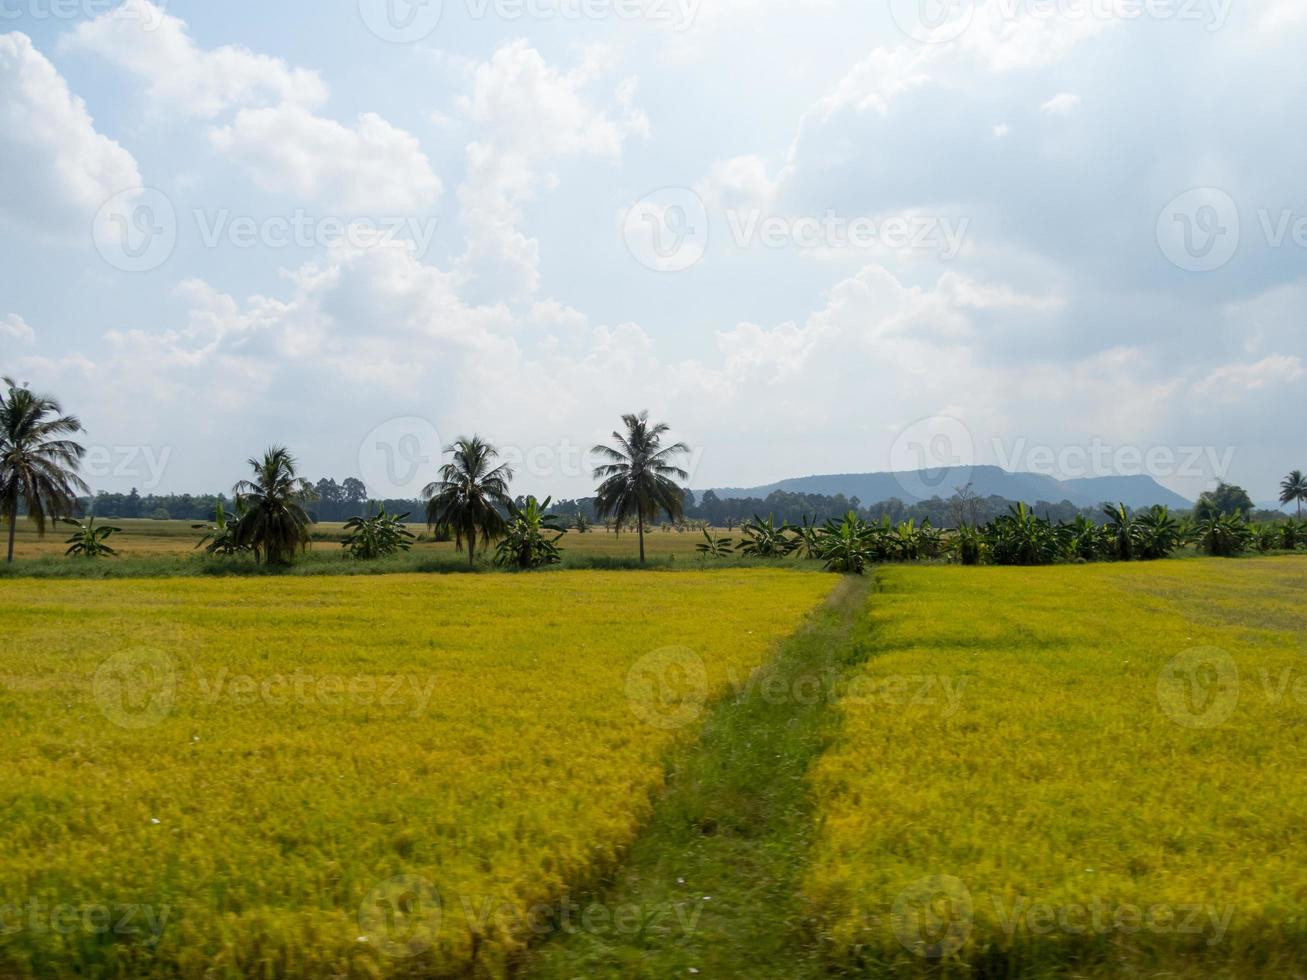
x,y
151,539
351,776
1095,768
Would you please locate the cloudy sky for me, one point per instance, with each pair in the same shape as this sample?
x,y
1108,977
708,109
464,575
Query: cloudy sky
x,y
813,235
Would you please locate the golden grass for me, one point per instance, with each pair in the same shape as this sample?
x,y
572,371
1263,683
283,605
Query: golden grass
x,y
145,538
332,748
1091,769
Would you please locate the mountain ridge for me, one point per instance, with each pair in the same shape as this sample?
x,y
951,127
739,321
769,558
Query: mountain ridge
x,y
912,486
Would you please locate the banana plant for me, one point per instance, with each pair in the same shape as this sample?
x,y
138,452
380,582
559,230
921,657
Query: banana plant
x,y
383,534
1121,530
763,539
89,541
847,546
526,544
1157,533
1223,535
807,537
221,537
712,547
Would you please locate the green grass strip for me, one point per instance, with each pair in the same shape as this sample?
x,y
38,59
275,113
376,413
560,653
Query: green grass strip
x,y
711,886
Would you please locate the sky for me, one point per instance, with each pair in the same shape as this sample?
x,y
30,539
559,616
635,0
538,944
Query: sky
x,y
812,236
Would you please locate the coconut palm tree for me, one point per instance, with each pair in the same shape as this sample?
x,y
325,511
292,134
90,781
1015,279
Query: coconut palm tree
x,y
471,496
273,523
38,465
637,479
1293,489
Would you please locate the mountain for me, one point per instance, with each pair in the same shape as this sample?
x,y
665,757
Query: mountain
x,y
986,481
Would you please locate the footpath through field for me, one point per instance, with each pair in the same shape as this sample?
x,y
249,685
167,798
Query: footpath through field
x,y
712,886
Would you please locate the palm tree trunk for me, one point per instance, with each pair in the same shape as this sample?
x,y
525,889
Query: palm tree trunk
x,y
471,554
639,523
13,526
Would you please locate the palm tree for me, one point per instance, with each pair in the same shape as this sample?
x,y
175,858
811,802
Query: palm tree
x,y
38,466
273,521
471,496
1294,489
637,479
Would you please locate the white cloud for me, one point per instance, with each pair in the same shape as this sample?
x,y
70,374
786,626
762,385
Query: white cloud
x,y
180,77
877,80
1001,130
372,169
739,182
15,328
55,169
1231,382
528,115
1062,104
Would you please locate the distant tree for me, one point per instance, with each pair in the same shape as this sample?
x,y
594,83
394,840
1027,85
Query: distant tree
x,y
273,522
1225,500
470,497
38,465
638,477
355,496
1293,489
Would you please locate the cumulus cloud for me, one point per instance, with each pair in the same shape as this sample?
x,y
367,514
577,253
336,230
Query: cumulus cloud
x,y
529,114
373,168
15,328
1062,104
142,40
56,170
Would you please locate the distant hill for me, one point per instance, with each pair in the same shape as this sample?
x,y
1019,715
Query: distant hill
x,y
987,481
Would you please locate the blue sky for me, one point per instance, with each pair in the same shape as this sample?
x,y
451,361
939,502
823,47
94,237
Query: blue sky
x,y
822,236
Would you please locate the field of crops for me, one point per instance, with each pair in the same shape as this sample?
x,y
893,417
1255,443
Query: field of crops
x,y
382,776
1097,768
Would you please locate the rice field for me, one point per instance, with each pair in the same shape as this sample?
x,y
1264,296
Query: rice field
x,y
1090,770
389,776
